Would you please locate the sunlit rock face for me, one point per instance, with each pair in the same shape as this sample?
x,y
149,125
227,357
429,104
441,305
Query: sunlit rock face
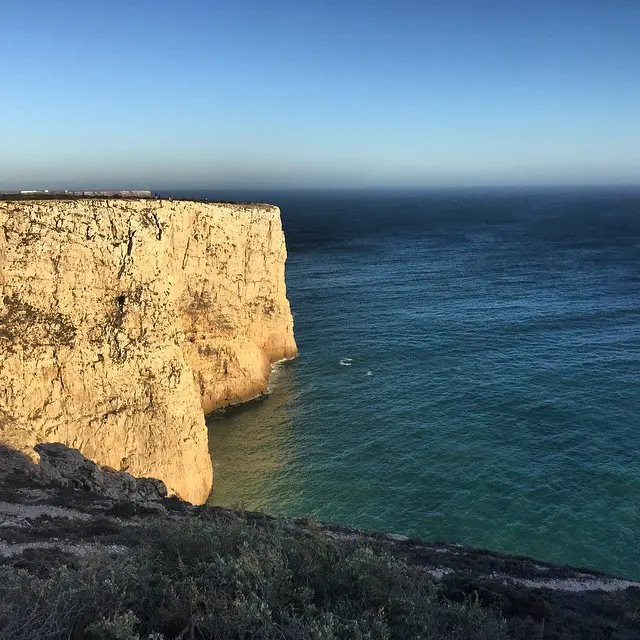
x,y
123,321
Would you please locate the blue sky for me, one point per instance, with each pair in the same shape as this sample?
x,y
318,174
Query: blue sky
x,y
257,93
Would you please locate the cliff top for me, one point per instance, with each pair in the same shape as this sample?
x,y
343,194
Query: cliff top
x,y
52,197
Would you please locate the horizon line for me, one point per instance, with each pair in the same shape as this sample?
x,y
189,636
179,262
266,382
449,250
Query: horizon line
x,y
391,187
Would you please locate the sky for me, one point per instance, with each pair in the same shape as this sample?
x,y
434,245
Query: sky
x,y
318,93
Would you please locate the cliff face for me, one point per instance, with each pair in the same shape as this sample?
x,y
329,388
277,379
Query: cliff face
x,y
123,321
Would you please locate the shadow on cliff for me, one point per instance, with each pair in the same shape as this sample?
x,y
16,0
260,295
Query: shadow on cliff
x,y
62,467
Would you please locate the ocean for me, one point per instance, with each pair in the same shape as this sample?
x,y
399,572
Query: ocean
x,y
469,372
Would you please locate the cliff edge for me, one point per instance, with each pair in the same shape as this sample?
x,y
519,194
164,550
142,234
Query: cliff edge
x,y
122,322
90,553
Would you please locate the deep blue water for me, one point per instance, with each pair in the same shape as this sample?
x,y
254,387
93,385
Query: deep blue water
x,y
493,397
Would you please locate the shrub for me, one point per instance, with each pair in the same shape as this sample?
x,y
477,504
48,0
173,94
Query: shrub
x,y
228,579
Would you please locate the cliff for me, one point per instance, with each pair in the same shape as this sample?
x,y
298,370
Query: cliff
x,y
90,553
122,322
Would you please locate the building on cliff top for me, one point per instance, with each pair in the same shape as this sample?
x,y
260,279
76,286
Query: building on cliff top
x,y
129,193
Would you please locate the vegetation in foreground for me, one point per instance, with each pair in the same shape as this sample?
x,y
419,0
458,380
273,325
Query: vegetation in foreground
x,y
226,579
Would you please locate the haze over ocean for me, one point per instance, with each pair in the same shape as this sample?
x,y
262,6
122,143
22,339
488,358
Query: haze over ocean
x,y
493,394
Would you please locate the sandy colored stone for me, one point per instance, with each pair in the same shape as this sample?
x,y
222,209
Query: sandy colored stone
x,y
123,321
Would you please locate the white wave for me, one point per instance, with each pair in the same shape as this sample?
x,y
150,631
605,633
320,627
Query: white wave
x,y
275,365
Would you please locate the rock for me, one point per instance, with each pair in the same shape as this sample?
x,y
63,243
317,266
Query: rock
x,y
15,464
123,321
61,466
67,467
397,537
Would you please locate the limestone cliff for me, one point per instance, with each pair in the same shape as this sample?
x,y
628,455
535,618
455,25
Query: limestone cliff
x,y
123,321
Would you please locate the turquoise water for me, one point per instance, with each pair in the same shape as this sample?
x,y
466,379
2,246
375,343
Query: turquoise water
x,y
493,392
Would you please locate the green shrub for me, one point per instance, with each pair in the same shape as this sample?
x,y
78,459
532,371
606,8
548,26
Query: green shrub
x,y
228,579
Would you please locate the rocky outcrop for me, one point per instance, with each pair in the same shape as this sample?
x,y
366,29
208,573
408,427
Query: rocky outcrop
x,y
123,321
63,467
